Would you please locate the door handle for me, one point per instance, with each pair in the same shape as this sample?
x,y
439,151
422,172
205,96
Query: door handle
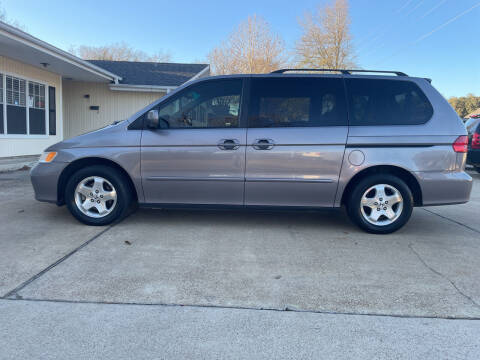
x,y
263,144
228,144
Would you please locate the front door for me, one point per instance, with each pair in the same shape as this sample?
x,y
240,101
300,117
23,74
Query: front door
x,y
295,141
197,155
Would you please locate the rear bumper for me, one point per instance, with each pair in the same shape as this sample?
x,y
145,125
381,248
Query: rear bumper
x,y
443,188
44,178
473,157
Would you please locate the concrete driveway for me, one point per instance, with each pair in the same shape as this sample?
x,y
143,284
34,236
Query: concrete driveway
x,y
215,284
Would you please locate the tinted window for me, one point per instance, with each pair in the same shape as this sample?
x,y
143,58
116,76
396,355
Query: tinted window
x,y
289,102
212,104
471,125
387,102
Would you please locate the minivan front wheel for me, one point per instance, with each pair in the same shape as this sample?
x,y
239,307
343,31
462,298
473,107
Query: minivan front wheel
x,y
95,196
380,204
98,195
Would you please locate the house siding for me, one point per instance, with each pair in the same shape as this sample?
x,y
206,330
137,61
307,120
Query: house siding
x,y
114,105
12,145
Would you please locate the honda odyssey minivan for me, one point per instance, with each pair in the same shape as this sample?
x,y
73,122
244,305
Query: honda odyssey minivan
x,y
377,144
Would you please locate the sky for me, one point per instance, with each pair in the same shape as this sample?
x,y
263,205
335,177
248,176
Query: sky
x,y
438,39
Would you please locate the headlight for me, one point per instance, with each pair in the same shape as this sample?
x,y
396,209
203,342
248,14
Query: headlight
x,y
47,157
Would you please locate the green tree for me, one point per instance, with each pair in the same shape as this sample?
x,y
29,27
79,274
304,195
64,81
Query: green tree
x,y
465,105
472,103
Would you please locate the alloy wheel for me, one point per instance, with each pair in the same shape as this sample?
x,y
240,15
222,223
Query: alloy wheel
x,y
95,196
381,204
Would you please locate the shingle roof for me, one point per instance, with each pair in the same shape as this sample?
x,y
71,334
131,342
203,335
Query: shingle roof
x,y
150,73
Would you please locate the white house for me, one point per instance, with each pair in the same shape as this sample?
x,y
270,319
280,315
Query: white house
x,y
47,94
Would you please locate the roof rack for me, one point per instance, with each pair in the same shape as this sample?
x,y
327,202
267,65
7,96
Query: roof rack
x,y
343,71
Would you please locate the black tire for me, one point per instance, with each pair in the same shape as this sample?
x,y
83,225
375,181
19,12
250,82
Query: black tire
x,y
477,169
354,209
119,182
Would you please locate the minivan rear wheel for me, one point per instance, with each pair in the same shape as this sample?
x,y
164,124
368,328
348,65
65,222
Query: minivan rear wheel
x,y
380,204
98,195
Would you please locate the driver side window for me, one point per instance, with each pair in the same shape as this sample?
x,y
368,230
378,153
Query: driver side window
x,y
212,104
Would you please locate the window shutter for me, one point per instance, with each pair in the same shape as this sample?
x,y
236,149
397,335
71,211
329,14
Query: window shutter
x,y
52,111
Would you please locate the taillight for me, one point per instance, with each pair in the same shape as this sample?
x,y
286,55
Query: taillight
x,y
461,144
476,141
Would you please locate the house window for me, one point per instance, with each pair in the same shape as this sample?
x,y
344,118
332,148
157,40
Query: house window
x,y
36,111
36,95
16,106
24,109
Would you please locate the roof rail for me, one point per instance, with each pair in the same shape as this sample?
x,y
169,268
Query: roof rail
x,y
281,71
343,71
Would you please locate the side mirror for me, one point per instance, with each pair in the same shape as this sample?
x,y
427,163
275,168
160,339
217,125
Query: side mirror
x,y
152,119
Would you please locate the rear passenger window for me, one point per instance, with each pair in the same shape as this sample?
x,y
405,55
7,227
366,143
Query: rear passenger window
x,y
297,102
387,102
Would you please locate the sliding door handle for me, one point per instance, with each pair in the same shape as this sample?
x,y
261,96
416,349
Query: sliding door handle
x,y
228,144
263,144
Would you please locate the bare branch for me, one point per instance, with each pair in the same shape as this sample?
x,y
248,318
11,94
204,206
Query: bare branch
x,y
251,48
326,41
7,20
119,52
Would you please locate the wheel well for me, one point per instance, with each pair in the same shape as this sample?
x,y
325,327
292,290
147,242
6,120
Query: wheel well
x,y
84,162
403,174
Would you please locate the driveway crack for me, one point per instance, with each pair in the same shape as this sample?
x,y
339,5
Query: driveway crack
x,y
14,293
233,307
454,221
410,245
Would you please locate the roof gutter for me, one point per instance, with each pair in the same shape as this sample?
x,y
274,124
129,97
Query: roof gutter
x,y
29,40
142,88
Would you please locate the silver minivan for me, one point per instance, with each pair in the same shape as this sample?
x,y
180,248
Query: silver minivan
x,y
377,144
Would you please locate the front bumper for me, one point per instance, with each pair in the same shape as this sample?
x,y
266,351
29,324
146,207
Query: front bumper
x,y
443,188
44,178
473,157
